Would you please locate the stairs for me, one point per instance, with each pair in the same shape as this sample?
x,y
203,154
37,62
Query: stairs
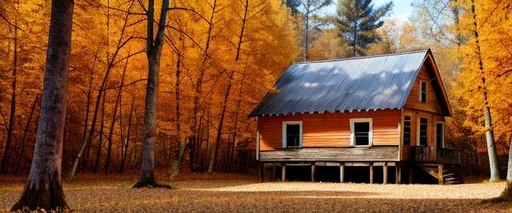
x,y
446,174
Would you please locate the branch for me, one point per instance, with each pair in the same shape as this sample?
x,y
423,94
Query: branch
x,y
9,23
190,10
189,37
126,11
127,57
126,85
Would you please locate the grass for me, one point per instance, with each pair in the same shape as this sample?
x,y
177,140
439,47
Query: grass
x,y
239,193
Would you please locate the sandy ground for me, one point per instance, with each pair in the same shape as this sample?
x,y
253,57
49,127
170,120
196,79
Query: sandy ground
x,y
245,195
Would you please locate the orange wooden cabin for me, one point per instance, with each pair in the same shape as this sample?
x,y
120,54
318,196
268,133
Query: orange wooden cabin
x,y
377,111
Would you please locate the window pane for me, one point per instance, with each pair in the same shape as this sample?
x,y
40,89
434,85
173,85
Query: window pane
x,y
407,130
362,133
423,131
292,135
423,92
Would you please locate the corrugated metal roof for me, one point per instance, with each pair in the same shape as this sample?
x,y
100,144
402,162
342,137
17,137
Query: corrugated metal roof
x,y
351,84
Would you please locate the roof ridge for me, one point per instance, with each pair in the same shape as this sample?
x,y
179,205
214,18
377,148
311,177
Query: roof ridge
x,y
362,57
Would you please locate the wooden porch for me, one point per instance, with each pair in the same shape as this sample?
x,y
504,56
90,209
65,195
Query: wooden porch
x,y
426,154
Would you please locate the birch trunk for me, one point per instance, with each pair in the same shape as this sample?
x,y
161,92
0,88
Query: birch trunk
x,y
43,188
489,133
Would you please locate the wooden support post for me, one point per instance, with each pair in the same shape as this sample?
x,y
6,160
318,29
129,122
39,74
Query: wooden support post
x,y
312,172
283,172
273,172
441,179
371,172
385,173
411,174
261,171
342,172
398,173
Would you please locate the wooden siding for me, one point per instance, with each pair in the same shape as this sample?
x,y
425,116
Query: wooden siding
x,y
330,129
415,118
413,101
376,153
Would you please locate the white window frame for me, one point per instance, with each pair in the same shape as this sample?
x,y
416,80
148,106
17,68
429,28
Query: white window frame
x,y
418,130
442,134
284,134
352,134
426,91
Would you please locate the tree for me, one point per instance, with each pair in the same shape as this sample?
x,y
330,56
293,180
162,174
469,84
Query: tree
x,y
309,7
357,22
153,52
43,188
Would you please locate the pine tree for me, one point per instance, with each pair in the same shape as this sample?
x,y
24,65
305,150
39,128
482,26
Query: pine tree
x,y
358,21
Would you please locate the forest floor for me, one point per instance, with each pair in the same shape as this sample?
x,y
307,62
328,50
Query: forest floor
x,y
236,193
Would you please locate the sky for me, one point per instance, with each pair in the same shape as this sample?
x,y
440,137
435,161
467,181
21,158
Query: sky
x,y
401,11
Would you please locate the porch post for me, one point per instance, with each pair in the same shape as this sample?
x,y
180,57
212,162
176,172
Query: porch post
x,y
261,171
371,172
273,172
385,173
283,172
398,173
441,179
342,172
312,172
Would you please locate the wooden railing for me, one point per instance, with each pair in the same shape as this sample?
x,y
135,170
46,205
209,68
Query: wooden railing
x,y
431,154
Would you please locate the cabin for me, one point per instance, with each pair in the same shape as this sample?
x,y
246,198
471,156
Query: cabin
x,y
384,111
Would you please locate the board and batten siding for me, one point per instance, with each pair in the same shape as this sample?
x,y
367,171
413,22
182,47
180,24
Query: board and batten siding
x,y
413,101
330,129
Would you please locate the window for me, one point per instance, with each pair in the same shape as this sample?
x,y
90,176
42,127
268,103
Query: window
x,y
407,130
292,134
361,132
423,136
440,134
423,92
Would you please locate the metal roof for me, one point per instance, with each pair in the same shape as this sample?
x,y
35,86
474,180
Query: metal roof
x,y
351,84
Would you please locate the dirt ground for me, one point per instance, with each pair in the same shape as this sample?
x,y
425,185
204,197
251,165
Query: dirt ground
x,y
244,194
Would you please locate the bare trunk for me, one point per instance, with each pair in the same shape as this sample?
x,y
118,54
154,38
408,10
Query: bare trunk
x,y
154,51
199,83
25,131
177,162
219,130
118,100
489,133
87,109
126,143
100,143
44,189
12,114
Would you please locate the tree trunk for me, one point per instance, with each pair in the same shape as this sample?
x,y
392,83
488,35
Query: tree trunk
x,y
153,52
221,122
71,174
25,132
44,189
489,133
126,144
111,63
199,83
177,162
100,144
118,99
12,114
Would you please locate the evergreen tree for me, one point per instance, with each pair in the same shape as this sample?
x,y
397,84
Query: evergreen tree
x,y
358,21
